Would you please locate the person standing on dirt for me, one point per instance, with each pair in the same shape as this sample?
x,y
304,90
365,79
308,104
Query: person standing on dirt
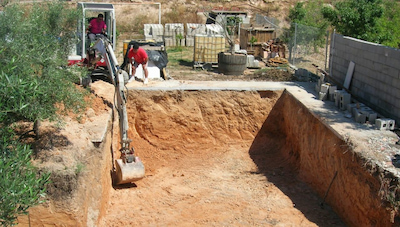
x,y
138,56
96,26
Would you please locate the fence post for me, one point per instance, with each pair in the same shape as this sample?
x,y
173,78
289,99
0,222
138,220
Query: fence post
x,y
294,44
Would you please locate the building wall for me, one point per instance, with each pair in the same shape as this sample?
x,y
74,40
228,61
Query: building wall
x,y
376,78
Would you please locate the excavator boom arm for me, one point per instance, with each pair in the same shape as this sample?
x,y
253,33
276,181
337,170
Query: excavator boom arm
x,y
129,168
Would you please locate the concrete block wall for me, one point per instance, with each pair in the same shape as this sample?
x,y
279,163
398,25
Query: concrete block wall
x,y
159,33
171,31
376,76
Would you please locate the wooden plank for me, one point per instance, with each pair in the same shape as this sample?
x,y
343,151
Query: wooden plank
x,y
349,75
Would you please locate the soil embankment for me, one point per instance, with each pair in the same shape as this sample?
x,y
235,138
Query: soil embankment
x,y
225,158
198,149
335,168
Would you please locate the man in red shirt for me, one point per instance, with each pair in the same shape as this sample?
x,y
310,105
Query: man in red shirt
x,y
138,56
96,26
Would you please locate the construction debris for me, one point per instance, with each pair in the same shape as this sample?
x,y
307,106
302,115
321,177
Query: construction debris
x,y
275,62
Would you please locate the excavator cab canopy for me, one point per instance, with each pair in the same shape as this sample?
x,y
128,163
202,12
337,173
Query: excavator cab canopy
x,y
91,10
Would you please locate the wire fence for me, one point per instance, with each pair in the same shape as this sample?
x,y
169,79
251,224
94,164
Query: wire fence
x,y
306,46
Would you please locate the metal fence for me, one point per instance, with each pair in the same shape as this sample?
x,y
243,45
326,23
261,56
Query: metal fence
x,y
306,46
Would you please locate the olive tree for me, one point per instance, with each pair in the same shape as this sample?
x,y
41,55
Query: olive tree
x,y
34,80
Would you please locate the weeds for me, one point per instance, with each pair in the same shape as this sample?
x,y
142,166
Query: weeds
x,y
80,167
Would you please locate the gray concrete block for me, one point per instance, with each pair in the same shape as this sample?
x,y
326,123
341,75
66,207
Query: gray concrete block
x,y
345,99
332,89
384,124
370,114
331,93
357,108
371,118
381,124
323,96
350,107
391,124
337,96
360,117
324,88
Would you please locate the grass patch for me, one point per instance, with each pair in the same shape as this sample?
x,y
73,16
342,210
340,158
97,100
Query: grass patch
x,y
180,57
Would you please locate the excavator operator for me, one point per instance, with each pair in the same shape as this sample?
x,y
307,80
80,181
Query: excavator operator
x,y
96,26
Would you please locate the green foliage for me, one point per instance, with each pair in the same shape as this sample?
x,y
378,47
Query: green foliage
x,y
232,24
179,38
252,40
20,187
307,28
356,18
388,25
35,43
80,167
297,13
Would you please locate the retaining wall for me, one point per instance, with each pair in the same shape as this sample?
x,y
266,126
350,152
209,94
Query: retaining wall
x,y
376,79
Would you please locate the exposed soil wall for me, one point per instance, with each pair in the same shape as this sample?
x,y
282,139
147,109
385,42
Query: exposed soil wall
x,y
223,158
317,154
77,198
199,171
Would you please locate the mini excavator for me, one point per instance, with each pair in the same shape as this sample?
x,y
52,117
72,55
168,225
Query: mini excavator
x,y
98,55
128,168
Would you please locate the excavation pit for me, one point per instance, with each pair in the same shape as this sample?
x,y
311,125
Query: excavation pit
x,y
236,157
205,164
256,158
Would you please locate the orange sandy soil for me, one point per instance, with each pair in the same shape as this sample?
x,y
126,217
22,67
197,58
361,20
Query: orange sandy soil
x,y
199,172
195,146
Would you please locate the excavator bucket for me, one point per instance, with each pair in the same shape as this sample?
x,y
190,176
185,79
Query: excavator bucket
x,y
128,172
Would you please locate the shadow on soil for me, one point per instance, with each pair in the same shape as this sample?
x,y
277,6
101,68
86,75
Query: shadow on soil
x,y
268,153
120,186
185,63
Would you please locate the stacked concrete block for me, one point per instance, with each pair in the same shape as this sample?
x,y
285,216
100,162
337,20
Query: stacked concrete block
x,y
344,99
338,97
351,107
172,32
355,108
384,124
206,48
369,113
193,29
214,29
362,113
146,31
153,32
359,116
323,93
331,92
